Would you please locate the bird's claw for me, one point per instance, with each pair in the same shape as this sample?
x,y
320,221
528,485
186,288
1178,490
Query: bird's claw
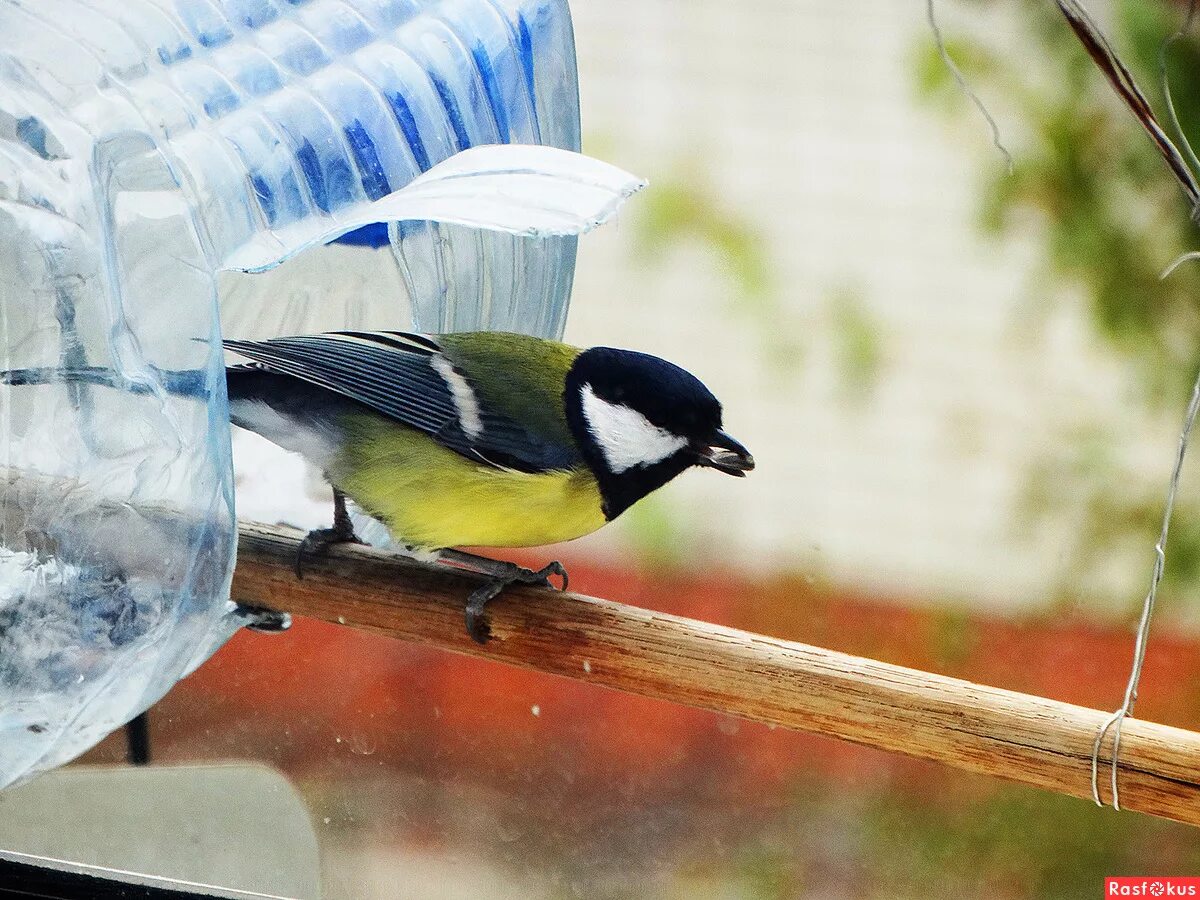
x,y
319,540
264,621
542,576
477,626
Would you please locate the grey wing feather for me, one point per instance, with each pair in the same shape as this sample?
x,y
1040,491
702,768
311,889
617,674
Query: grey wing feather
x,y
394,374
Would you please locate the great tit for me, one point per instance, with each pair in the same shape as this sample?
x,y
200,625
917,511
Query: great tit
x,y
475,439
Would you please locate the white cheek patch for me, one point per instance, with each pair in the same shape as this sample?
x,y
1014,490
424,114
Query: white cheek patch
x,y
624,435
464,397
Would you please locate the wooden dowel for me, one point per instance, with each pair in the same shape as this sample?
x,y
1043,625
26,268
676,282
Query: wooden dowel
x,y
1018,737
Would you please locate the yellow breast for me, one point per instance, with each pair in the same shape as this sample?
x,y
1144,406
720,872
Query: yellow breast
x,y
431,497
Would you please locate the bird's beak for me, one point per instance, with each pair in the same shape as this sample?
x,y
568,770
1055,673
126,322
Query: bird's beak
x,y
725,454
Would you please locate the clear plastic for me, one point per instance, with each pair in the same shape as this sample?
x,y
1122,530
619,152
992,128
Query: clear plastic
x,y
144,145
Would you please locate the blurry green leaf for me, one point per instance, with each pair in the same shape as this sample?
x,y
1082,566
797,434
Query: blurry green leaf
x,y
858,346
954,638
1016,843
933,834
1112,217
685,209
660,537
933,79
677,211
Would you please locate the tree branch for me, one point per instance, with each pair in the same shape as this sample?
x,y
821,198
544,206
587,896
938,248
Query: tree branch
x,y
1017,737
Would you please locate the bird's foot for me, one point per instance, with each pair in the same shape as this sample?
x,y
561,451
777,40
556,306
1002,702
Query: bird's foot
x,y
502,576
264,621
319,540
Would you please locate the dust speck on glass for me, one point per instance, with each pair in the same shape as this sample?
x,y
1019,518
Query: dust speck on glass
x,y
141,146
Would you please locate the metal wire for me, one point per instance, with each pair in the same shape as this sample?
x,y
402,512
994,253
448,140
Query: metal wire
x,y
1143,632
961,80
1191,166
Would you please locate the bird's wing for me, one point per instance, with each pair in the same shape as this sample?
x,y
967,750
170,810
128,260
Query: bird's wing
x,y
408,378
520,376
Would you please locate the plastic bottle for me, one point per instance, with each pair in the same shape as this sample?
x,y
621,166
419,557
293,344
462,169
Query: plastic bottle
x,y
142,144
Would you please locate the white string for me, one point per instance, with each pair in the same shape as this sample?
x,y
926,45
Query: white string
x,y
964,87
1117,719
1178,261
1143,632
1180,136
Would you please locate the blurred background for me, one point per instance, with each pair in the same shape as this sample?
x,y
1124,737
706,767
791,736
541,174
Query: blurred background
x,y
963,389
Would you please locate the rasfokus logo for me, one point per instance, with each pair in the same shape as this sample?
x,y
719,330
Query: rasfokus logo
x,y
1149,886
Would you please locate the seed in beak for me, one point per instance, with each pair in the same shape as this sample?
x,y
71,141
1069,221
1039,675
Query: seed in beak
x,y
727,455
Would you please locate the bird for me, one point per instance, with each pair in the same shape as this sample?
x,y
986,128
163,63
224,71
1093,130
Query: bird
x,y
472,439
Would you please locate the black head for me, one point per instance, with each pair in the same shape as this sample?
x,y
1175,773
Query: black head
x,y
641,420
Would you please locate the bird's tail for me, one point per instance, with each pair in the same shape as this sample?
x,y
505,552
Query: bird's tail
x,y
183,383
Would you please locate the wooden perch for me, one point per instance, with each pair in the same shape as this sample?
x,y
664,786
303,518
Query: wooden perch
x,y
1018,737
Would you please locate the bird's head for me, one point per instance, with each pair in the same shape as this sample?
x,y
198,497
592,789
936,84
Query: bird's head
x,y
641,420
